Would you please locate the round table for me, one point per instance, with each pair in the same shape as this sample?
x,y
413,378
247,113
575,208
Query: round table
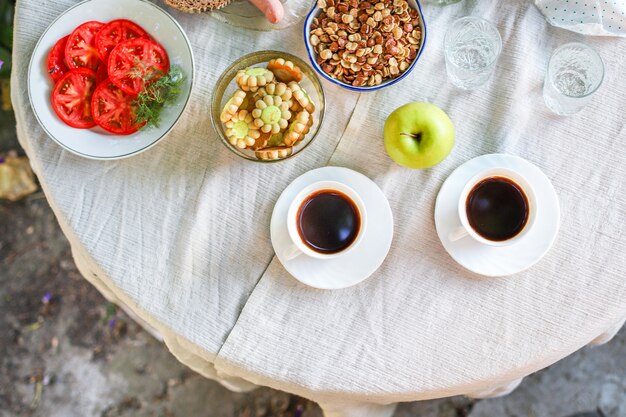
x,y
180,233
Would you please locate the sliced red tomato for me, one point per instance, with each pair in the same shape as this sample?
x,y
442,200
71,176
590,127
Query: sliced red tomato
x,y
56,60
115,32
113,109
71,98
80,51
102,74
134,62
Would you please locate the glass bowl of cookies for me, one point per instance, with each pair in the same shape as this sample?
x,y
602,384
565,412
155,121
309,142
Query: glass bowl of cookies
x,y
267,106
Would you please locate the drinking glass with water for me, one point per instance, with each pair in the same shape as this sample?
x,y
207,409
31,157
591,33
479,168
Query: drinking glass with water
x,y
471,46
575,73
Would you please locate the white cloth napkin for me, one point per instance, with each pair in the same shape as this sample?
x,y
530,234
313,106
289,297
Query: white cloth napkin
x,y
589,17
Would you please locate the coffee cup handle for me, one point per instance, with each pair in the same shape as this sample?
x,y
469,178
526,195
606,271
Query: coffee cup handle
x,y
292,253
457,234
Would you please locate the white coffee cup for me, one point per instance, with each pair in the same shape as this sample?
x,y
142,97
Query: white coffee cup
x,y
467,230
299,247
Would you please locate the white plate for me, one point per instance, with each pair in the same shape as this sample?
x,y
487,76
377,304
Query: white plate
x,y
506,260
356,265
96,143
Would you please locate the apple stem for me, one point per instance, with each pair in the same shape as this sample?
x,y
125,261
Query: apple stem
x,y
417,137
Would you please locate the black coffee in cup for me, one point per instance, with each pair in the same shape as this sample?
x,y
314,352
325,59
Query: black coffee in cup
x,y
497,208
328,221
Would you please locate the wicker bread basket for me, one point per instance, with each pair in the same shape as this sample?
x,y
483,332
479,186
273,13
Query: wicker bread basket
x,y
197,6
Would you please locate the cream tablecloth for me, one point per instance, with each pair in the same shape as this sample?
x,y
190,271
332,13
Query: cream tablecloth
x,y
180,233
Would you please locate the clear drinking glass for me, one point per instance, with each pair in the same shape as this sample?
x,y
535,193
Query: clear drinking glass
x,y
575,73
471,46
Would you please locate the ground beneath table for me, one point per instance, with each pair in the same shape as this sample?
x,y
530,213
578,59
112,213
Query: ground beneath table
x,y
65,351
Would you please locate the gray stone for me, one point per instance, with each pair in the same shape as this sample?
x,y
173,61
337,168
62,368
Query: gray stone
x,y
593,378
198,397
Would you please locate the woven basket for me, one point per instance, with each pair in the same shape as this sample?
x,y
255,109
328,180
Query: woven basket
x,y
197,6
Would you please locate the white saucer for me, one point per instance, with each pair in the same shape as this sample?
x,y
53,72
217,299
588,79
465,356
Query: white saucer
x,y
498,261
356,265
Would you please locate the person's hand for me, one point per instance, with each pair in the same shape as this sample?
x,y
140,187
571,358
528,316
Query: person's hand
x,y
272,9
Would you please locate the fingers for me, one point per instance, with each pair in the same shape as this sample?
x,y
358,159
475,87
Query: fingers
x,y
272,9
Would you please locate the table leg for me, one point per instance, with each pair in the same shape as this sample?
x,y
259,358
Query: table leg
x,y
356,409
494,392
608,335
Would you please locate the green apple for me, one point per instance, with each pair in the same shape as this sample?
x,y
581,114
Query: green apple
x,y
418,135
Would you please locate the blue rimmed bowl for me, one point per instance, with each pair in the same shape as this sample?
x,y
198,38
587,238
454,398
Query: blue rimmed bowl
x,y
316,11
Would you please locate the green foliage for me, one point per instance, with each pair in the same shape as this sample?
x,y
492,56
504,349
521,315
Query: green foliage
x,y
6,36
6,23
157,94
5,57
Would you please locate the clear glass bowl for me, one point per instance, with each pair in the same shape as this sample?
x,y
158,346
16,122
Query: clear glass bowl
x,y
226,86
241,13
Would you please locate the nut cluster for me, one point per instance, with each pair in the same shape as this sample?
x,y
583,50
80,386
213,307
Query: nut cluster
x,y
363,43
